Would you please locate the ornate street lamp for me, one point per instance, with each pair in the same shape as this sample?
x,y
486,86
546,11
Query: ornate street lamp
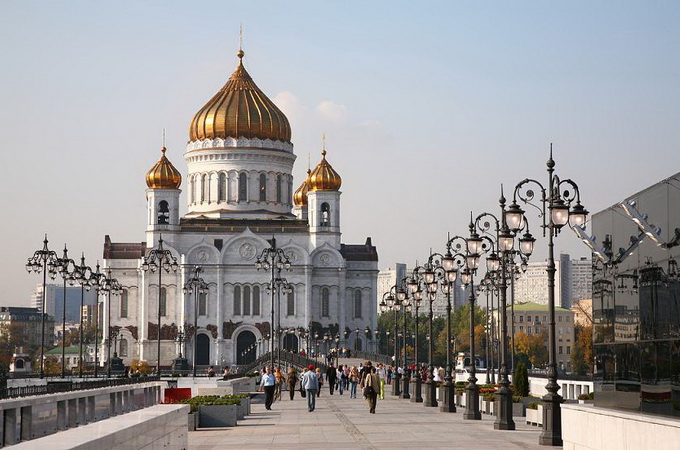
x,y
402,297
197,286
413,285
159,260
83,275
66,268
274,259
562,199
109,285
45,261
389,300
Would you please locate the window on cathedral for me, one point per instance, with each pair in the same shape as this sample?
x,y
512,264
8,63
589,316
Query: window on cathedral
x,y
222,188
163,213
357,304
242,187
123,347
256,300
290,306
246,300
278,188
325,215
192,190
237,300
263,187
203,304
124,303
204,188
325,303
163,301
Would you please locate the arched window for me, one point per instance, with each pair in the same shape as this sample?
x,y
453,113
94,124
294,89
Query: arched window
x,y
325,215
357,344
124,303
290,307
357,304
204,193
163,213
325,303
123,347
242,187
256,300
222,188
246,300
202,304
263,187
164,301
192,190
237,300
278,188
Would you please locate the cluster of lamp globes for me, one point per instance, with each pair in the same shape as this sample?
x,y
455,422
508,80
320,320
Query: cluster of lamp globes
x,y
444,274
70,271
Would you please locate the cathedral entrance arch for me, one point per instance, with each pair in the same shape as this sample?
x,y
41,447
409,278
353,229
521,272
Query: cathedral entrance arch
x,y
290,343
202,350
246,347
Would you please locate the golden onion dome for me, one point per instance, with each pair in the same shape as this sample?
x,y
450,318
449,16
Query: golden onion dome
x,y
240,109
324,177
300,195
163,174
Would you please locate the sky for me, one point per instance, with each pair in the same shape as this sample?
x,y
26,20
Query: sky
x,y
427,108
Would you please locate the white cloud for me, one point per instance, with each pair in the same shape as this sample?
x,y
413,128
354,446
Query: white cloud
x,y
330,110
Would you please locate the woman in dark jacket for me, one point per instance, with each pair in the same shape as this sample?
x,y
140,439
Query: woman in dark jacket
x,y
292,381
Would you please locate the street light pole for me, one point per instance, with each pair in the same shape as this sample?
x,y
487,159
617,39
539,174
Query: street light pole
x,y
68,276
197,286
83,274
159,259
44,260
559,196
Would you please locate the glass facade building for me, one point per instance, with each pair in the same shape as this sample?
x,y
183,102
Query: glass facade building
x,y
636,301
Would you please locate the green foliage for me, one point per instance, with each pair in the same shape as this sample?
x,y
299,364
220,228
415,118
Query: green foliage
x,y
532,405
520,380
489,396
211,400
590,396
581,357
516,399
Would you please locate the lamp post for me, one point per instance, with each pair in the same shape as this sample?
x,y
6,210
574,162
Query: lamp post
x,y
196,286
159,260
376,341
45,261
337,350
95,280
109,285
402,298
83,274
316,351
389,301
414,287
274,259
562,198
66,268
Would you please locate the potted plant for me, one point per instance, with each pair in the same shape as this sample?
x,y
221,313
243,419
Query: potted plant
x,y
586,398
215,411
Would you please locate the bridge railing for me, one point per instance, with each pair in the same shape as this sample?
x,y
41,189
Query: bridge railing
x,y
374,357
286,360
71,385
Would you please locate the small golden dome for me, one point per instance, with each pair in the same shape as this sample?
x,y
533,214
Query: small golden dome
x,y
300,195
163,175
240,109
324,177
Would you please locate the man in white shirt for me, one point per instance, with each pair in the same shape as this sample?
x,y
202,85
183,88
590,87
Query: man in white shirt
x,y
268,384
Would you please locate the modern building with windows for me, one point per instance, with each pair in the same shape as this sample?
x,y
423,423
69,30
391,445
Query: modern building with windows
x,y
636,301
54,300
240,198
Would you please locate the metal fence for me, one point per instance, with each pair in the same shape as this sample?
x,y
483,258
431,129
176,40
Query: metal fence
x,y
70,385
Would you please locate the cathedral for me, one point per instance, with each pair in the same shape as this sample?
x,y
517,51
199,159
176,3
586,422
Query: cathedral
x,y
240,200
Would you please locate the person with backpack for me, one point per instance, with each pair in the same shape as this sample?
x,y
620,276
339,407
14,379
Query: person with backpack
x,y
371,389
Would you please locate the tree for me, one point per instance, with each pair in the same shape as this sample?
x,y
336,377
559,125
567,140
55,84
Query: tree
x,y
582,353
520,380
532,348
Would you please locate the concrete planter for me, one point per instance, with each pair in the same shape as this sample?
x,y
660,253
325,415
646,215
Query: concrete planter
x,y
486,406
193,421
535,416
518,409
218,415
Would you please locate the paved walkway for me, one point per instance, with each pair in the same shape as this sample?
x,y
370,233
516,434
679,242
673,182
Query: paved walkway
x,y
343,423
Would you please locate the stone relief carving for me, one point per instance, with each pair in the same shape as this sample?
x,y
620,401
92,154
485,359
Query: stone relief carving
x,y
247,251
228,328
133,331
202,256
325,259
213,330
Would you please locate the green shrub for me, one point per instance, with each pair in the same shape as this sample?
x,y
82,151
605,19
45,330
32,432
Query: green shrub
x,y
211,400
489,397
516,399
590,396
532,405
520,380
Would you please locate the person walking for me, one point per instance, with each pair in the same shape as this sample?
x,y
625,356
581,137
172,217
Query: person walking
x,y
278,376
292,381
310,383
382,375
371,389
319,377
353,381
331,377
268,385
343,379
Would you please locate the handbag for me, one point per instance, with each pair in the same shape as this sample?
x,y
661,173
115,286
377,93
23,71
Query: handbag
x,y
368,390
303,393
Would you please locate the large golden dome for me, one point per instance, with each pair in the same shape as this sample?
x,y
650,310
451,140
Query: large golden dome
x,y
163,174
240,109
324,177
300,195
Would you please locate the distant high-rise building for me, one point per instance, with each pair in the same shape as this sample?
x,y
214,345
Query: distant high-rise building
x,y
573,281
54,300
